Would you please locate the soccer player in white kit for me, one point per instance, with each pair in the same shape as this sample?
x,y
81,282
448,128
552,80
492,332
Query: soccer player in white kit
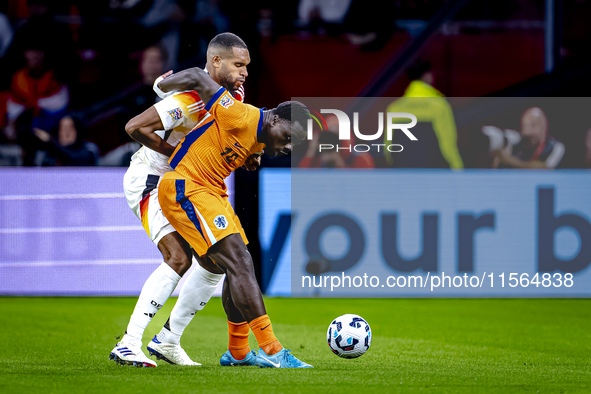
x,y
178,114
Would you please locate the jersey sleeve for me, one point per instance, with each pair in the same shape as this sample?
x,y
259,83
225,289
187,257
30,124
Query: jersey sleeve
x,y
183,107
233,115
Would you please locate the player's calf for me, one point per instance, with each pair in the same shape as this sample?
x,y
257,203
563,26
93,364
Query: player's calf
x,y
198,289
232,255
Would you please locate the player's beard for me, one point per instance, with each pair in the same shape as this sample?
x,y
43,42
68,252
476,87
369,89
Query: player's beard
x,y
228,83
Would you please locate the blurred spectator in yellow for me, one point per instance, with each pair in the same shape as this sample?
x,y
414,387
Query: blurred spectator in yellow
x,y
435,130
535,149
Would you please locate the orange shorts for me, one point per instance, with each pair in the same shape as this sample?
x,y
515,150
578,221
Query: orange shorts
x,y
201,216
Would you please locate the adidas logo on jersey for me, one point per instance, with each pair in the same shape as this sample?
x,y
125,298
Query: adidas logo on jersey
x,y
195,107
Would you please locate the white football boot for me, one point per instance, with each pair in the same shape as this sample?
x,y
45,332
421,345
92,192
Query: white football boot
x,y
130,354
173,354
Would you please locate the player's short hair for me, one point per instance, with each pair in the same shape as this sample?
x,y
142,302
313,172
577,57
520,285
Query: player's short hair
x,y
294,111
227,41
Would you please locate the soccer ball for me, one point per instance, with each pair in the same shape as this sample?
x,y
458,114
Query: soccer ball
x,y
349,336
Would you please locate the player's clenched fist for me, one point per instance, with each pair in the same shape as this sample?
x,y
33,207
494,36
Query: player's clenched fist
x,y
252,162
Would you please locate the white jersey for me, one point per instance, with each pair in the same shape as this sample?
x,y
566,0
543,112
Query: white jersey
x,y
179,113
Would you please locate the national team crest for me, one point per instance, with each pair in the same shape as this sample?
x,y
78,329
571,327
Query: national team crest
x,y
220,222
175,114
226,101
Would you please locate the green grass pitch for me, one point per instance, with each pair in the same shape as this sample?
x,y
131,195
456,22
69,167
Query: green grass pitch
x,y
61,345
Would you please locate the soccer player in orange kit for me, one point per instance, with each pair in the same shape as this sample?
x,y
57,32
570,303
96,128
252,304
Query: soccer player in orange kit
x,y
193,198
178,114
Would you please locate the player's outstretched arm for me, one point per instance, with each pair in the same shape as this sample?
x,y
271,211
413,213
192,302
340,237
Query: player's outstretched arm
x,y
191,79
142,129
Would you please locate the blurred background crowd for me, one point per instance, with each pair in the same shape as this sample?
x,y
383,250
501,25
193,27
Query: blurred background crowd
x,y
74,72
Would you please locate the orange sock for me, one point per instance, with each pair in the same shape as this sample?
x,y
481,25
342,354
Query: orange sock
x,y
263,331
238,343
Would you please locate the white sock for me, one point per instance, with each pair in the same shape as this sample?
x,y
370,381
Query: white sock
x,y
155,292
196,292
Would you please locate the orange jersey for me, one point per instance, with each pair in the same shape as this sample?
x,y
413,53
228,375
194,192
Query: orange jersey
x,y
213,150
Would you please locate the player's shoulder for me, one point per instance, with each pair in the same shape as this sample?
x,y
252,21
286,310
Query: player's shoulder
x,y
187,102
186,96
228,101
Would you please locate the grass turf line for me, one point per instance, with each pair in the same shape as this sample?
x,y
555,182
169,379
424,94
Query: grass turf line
x,y
419,345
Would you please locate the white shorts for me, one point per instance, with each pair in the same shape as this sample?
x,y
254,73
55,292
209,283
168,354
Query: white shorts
x,y
140,185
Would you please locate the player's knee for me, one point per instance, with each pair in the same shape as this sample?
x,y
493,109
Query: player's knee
x,y
179,262
231,253
209,265
176,253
